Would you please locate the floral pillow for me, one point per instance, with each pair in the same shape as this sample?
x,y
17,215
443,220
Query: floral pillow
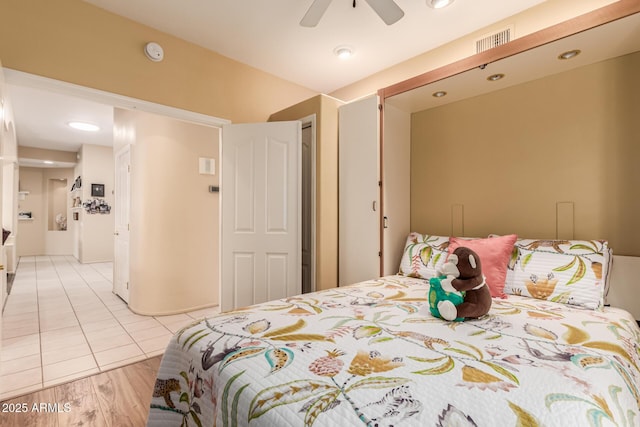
x,y
567,271
423,255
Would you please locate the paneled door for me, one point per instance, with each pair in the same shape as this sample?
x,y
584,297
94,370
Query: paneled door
x,y
122,214
260,213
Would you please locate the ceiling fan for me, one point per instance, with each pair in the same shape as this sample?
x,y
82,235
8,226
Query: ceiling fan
x,y
387,10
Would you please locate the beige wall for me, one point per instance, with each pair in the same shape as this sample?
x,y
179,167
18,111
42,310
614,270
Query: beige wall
x,y
57,242
31,232
76,42
326,110
57,203
174,237
33,236
508,157
544,15
95,232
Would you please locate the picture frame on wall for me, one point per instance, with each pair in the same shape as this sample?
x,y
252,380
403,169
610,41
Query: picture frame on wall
x,y
97,190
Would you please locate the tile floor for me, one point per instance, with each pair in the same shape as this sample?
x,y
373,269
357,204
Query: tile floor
x,y
62,322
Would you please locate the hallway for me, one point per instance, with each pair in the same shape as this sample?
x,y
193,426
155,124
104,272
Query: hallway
x,y
62,322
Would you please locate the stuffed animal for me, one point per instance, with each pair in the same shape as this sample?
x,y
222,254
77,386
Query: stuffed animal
x,y
437,294
477,297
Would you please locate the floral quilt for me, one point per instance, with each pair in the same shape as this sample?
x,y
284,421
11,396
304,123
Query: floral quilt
x,y
371,354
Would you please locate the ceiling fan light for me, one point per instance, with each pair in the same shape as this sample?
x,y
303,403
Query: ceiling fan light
x,y
439,4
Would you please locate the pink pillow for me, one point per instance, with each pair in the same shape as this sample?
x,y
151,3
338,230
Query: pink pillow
x,y
494,253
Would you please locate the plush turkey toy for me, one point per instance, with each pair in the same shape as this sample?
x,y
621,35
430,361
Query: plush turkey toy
x,y
464,276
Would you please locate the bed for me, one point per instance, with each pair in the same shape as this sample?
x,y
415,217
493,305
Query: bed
x,y
371,354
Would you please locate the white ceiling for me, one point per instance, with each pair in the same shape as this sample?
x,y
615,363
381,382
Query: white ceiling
x,y
267,36
42,119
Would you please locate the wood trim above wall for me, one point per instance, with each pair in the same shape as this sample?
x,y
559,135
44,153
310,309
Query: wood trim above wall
x,y
604,15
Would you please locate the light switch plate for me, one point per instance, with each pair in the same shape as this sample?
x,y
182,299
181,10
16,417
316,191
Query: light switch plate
x,y
207,166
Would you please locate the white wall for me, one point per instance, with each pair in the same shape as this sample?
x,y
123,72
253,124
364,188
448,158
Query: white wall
x,y
10,204
94,232
624,284
8,150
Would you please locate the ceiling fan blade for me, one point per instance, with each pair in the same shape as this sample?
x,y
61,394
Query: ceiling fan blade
x,y
387,10
315,12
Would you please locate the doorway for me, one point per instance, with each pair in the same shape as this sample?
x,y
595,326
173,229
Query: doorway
x,y
308,199
121,252
173,227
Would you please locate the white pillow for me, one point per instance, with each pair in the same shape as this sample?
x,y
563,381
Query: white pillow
x,y
567,271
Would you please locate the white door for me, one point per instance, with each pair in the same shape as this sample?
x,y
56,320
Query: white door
x,y
359,191
260,213
122,213
396,185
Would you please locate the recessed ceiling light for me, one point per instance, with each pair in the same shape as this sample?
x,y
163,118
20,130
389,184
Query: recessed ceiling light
x,y
439,4
495,77
439,94
569,54
343,52
89,127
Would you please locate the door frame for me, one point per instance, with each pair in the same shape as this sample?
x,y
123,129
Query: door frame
x,y
122,292
20,78
311,120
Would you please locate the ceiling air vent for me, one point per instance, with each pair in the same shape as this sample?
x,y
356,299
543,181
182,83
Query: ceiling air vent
x,y
493,40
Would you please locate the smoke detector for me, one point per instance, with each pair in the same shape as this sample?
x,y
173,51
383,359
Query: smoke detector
x,y
154,51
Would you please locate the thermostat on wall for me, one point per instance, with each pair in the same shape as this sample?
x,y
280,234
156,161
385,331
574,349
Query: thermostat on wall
x,y
154,51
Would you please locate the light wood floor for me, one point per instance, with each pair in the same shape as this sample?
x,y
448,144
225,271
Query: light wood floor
x,y
118,398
